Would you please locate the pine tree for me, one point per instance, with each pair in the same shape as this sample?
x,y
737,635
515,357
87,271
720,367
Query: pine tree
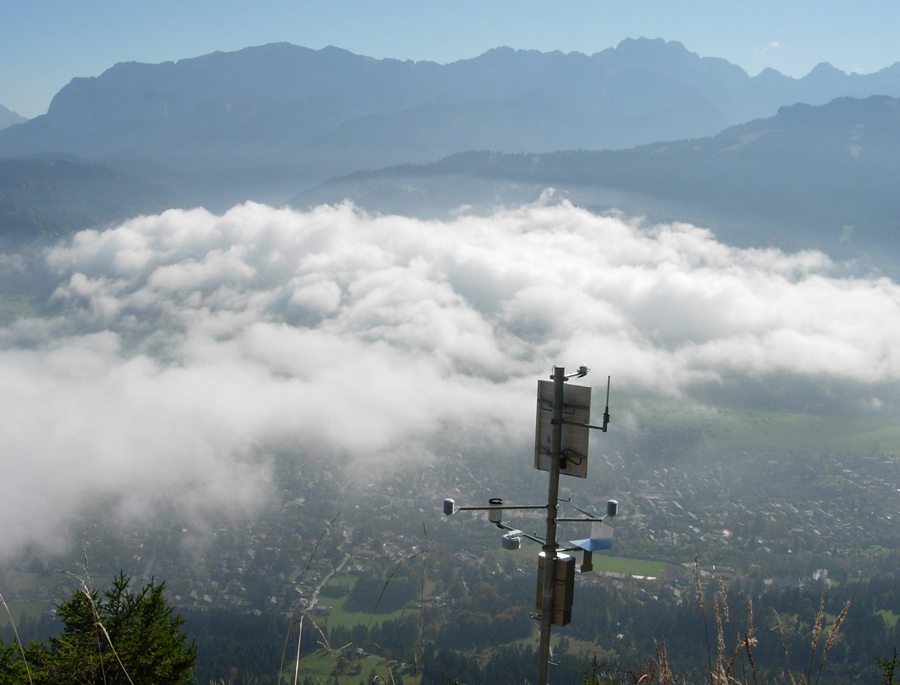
x,y
119,638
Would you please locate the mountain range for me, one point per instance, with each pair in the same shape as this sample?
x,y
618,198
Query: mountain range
x,y
821,177
264,122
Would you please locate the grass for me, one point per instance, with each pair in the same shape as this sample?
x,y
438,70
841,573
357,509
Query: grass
x,y
338,616
586,650
319,666
730,428
634,567
890,618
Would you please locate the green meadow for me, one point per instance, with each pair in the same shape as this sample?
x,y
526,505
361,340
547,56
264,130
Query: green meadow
x,y
730,428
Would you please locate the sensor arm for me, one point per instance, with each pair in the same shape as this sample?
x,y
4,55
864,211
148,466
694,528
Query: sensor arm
x,y
451,508
523,534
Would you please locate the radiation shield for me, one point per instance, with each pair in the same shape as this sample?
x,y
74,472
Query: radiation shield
x,y
576,408
601,538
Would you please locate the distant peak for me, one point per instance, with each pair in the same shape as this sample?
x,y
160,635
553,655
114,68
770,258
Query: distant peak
x,y
8,117
769,74
651,43
826,69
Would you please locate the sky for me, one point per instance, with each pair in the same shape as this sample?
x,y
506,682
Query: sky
x,y
46,43
182,351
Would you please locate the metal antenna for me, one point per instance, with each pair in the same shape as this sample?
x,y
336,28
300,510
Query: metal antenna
x,y
606,409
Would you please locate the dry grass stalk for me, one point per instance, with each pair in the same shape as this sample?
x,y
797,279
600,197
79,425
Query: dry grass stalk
x,y
326,645
729,668
421,607
324,642
702,612
86,589
720,677
384,654
817,631
98,624
312,556
297,658
832,636
18,639
662,659
87,585
787,655
724,599
384,589
738,650
727,612
750,639
697,581
287,639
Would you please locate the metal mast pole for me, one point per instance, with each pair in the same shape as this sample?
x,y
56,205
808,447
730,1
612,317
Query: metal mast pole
x,y
547,608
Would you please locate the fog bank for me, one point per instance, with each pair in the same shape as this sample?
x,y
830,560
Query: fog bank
x,y
177,350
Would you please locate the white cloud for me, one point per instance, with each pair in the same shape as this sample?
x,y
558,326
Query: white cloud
x,y
185,345
766,48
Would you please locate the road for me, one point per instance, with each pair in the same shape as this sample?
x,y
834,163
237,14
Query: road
x,y
315,596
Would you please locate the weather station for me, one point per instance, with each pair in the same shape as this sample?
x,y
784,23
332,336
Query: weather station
x,y
560,447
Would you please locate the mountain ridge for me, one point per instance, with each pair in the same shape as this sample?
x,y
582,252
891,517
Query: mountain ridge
x,y
822,177
44,198
266,121
8,118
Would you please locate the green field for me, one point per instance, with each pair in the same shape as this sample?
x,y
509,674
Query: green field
x,y
729,428
338,616
18,608
890,618
23,582
320,666
634,567
29,585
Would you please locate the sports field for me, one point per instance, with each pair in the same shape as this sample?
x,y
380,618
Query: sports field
x,y
634,567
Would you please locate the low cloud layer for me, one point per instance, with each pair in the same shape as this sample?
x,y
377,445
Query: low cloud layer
x,y
179,349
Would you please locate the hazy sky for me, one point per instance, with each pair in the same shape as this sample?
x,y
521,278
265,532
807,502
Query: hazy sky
x,y
45,43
